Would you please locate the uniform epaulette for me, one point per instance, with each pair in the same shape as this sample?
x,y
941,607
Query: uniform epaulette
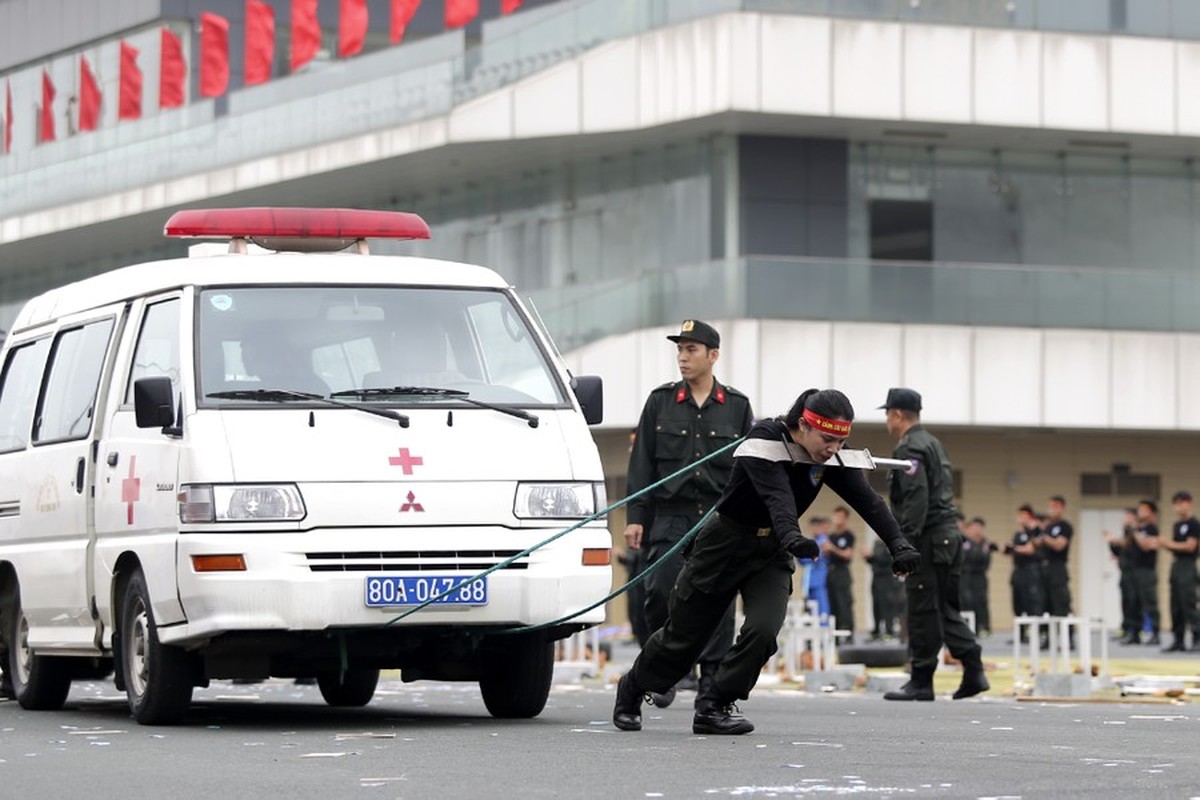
x,y
665,387
732,390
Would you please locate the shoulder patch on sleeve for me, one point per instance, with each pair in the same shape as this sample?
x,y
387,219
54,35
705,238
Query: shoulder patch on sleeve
x,y
913,467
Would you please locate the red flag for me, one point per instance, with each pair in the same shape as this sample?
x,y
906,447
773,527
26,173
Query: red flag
x,y
460,12
352,27
509,6
306,32
402,13
129,102
172,71
89,97
46,131
260,41
7,117
214,54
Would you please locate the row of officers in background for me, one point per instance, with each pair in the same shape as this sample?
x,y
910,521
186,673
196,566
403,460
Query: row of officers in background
x,y
1136,549
1040,550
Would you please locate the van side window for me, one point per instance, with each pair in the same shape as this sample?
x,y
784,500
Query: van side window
x,y
18,393
157,351
69,399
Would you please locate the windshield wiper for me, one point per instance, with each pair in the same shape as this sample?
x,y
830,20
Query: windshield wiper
x,y
286,395
436,391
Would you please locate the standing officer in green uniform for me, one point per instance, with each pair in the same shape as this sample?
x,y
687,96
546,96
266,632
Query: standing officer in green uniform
x,y
680,423
923,501
747,549
1184,541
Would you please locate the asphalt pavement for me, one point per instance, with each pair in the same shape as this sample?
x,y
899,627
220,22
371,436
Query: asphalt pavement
x,y
436,740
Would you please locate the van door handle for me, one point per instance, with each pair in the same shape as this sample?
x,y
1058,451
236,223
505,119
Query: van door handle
x,y
79,467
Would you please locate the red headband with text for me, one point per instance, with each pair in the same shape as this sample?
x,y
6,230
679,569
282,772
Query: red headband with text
x,y
838,427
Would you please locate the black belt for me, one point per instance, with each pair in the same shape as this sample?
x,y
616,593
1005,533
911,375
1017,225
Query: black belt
x,y
748,530
689,509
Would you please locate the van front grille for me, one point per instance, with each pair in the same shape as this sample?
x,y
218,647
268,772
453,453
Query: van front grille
x,y
411,560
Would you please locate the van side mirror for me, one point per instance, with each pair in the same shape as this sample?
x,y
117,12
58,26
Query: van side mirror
x,y
153,403
589,391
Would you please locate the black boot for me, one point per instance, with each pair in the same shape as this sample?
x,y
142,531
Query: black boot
x,y
627,712
919,687
1154,639
1176,646
719,716
973,680
661,699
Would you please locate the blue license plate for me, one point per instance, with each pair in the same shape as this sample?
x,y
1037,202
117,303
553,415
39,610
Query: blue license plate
x,y
411,590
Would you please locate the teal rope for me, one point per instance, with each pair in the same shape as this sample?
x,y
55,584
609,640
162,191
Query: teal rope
x,y
506,562
641,576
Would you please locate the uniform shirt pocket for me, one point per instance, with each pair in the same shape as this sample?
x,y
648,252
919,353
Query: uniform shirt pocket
x,y
671,442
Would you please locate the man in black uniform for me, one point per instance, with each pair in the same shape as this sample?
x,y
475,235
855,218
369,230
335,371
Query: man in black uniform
x,y
839,549
923,501
887,592
1184,541
977,559
1026,580
1145,564
747,549
680,423
1122,549
1056,547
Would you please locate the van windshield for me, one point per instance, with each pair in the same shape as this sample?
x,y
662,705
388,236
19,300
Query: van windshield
x,y
326,339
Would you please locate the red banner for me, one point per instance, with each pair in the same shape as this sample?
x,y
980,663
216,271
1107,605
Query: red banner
x,y
306,32
260,41
129,99
46,129
89,97
460,12
172,72
214,54
352,27
402,14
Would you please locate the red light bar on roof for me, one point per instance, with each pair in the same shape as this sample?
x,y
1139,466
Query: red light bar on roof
x,y
295,223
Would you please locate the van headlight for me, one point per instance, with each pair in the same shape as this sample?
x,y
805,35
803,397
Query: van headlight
x,y
558,500
263,502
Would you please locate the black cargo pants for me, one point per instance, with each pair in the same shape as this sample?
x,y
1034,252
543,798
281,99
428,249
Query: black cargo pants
x,y
933,600
726,559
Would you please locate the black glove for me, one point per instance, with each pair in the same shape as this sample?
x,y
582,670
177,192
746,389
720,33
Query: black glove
x,y
801,546
905,559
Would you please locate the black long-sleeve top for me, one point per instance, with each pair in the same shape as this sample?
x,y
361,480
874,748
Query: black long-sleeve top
x,y
762,493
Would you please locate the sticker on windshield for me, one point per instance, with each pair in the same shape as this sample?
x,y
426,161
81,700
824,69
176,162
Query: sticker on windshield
x,y
221,302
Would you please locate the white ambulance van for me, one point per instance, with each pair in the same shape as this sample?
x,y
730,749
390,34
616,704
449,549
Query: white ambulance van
x,y
246,465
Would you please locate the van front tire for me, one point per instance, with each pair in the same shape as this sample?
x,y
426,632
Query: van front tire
x,y
157,677
39,683
517,673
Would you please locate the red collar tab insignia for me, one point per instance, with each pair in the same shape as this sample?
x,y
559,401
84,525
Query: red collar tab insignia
x,y
719,396
681,394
